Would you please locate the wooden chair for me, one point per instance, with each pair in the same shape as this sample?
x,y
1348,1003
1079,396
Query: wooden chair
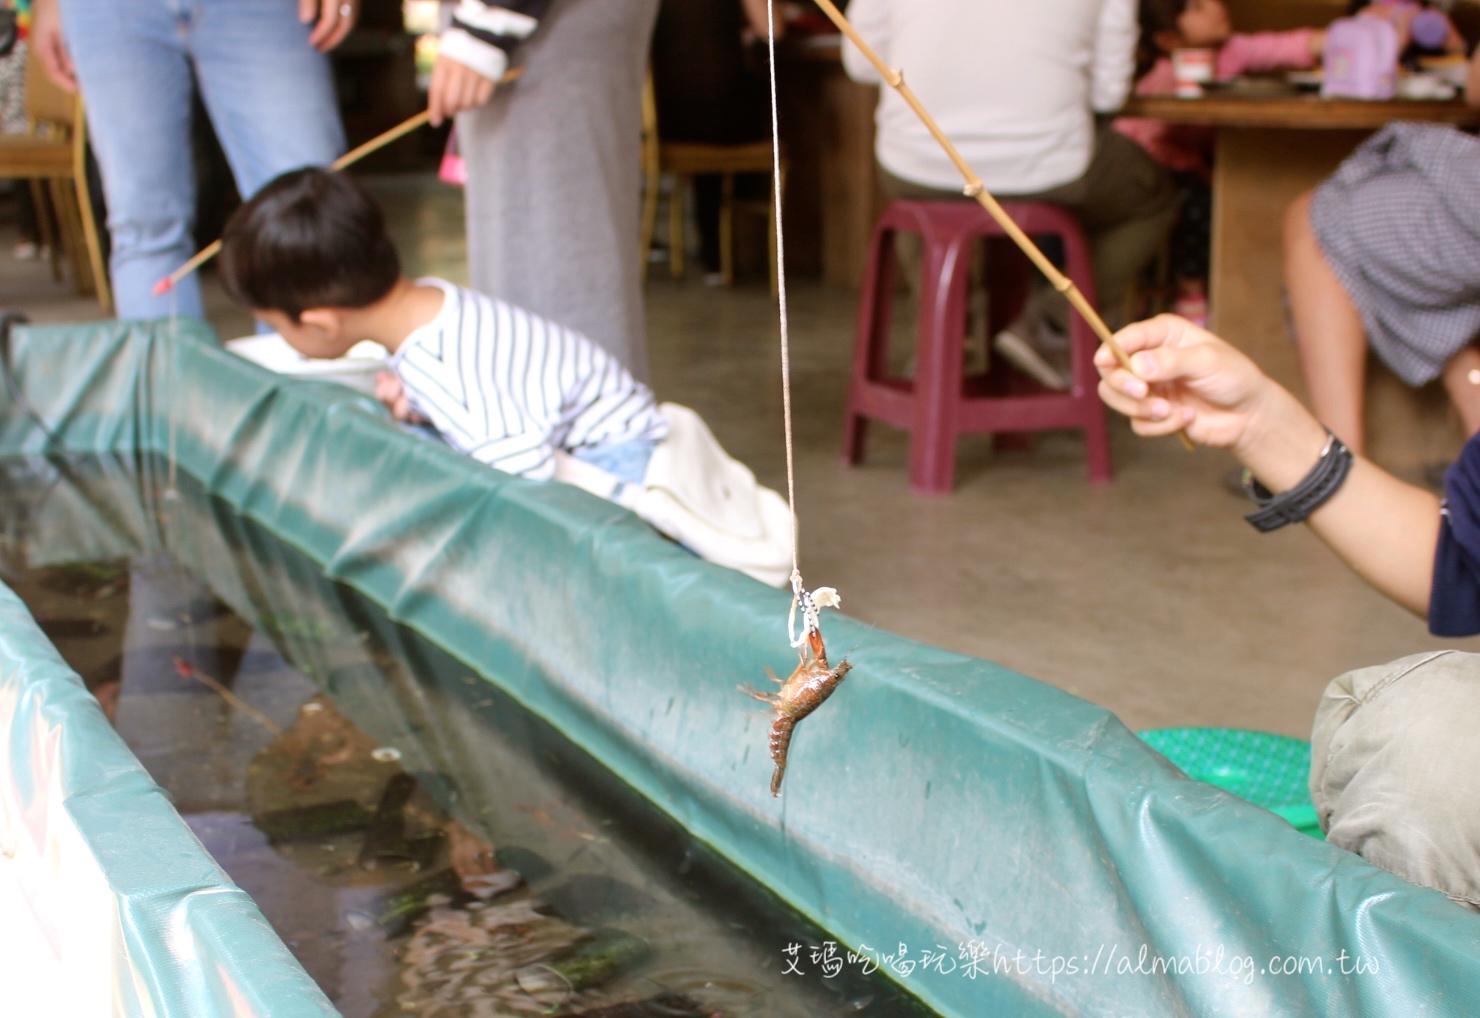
x,y
683,161
55,153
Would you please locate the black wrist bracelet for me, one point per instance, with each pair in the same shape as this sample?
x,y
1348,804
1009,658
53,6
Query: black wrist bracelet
x,y
1315,490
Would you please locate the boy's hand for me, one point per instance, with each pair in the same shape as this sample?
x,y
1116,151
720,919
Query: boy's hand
x,y
1185,378
455,87
388,390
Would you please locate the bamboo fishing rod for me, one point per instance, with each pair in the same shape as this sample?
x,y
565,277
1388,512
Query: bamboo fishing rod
x,y
976,189
351,157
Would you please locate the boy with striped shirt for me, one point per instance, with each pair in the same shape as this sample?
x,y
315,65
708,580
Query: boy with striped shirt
x,y
309,254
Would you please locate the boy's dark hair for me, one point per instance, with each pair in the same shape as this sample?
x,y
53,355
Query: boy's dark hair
x,y
310,239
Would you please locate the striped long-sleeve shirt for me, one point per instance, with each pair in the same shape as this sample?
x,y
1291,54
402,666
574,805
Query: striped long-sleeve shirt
x,y
484,33
510,388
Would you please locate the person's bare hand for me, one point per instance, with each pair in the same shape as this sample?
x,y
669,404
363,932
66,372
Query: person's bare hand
x,y
388,390
456,87
50,47
1184,378
332,20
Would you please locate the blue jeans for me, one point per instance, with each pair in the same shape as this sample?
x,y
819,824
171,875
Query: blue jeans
x,y
626,461
269,94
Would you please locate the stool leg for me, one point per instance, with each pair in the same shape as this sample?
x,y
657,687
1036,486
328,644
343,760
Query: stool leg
x,y
871,348
47,233
64,198
675,225
938,395
727,228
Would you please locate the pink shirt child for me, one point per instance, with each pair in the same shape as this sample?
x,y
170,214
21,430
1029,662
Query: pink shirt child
x,y
1184,148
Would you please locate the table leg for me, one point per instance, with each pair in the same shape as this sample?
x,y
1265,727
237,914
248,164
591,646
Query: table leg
x,y
1257,174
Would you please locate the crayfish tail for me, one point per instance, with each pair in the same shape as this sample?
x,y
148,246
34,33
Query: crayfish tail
x,y
781,730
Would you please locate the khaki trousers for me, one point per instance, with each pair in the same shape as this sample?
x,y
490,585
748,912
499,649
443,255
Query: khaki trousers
x,y
1395,769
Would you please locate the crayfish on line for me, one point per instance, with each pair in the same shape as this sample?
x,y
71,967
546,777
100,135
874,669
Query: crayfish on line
x,y
813,682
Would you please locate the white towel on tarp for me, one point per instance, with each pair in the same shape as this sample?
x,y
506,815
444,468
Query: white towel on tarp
x,y
698,495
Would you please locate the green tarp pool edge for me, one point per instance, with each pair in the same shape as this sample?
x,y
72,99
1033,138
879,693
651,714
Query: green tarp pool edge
x,y
141,919
999,846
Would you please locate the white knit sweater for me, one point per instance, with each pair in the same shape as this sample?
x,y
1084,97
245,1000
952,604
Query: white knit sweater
x,y
1014,83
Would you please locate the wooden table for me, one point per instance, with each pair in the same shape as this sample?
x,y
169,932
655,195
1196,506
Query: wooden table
x,y
1270,149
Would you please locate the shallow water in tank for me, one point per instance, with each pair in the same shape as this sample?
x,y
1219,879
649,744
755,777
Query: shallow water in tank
x,y
422,843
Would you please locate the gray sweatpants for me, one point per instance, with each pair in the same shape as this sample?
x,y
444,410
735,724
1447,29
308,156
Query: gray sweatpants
x,y
1395,769
554,175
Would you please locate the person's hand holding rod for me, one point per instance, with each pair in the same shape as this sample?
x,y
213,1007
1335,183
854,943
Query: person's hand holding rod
x,y
455,87
1384,529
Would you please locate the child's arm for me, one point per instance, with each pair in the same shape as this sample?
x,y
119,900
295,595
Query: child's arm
x,y
1187,379
1270,51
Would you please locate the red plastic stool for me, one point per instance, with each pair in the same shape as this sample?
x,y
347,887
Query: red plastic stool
x,y
940,403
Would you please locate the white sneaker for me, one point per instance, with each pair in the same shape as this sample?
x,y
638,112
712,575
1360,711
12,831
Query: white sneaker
x,y
1021,355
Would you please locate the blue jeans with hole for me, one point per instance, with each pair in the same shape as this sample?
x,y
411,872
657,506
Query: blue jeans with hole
x,y
270,97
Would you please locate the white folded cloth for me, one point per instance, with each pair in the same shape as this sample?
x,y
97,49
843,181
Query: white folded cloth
x,y
700,496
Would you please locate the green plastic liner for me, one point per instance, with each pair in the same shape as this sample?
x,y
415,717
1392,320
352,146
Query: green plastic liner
x,y
139,917
1001,847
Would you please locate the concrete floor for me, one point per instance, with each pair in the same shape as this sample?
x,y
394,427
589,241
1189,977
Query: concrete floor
x,y
1150,597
